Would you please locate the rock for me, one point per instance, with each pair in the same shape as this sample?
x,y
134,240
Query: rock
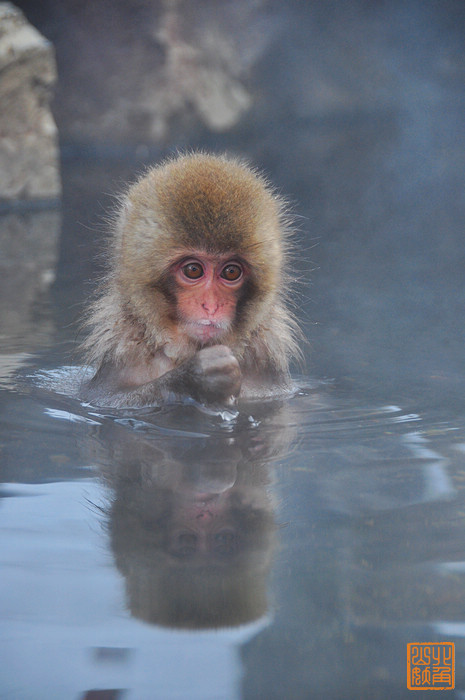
x,y
153,72
29,167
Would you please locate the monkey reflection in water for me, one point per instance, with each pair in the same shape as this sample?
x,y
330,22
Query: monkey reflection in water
x,y
194,301
191,522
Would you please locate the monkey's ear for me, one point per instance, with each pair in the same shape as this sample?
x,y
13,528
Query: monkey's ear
x,y
126,207
124,212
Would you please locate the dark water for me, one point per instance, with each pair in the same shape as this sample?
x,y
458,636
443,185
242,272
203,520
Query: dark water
x,y
287,550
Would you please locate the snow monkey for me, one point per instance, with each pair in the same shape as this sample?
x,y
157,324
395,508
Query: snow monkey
x,y
194,301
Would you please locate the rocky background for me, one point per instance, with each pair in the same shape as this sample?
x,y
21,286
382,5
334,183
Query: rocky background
x,y
28,134
355,110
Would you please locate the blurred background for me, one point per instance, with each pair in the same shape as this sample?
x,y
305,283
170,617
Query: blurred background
x,y
354,110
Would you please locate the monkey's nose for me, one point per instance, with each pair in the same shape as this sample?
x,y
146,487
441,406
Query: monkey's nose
x,y
211,307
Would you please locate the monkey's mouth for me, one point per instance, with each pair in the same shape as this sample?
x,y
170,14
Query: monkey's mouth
x,y
205,330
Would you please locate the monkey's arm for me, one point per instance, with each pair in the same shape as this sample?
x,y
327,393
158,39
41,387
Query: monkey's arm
x,y
212,375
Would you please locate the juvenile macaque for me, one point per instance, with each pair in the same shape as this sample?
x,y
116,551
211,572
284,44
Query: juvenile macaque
x,y
194,301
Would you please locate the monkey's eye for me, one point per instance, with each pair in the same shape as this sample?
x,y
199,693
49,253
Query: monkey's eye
x,y
231,272
193,270
183,544
225,543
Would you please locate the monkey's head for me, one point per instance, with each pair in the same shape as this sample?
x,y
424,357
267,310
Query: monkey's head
x,y
200,250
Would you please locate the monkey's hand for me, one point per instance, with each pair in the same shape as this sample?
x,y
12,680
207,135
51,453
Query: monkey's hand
x,y
213,375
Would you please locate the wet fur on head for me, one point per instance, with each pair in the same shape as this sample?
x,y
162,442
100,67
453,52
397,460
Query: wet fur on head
x,y
195,202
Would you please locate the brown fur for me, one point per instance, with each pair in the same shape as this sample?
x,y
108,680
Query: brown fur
x,y
194,202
